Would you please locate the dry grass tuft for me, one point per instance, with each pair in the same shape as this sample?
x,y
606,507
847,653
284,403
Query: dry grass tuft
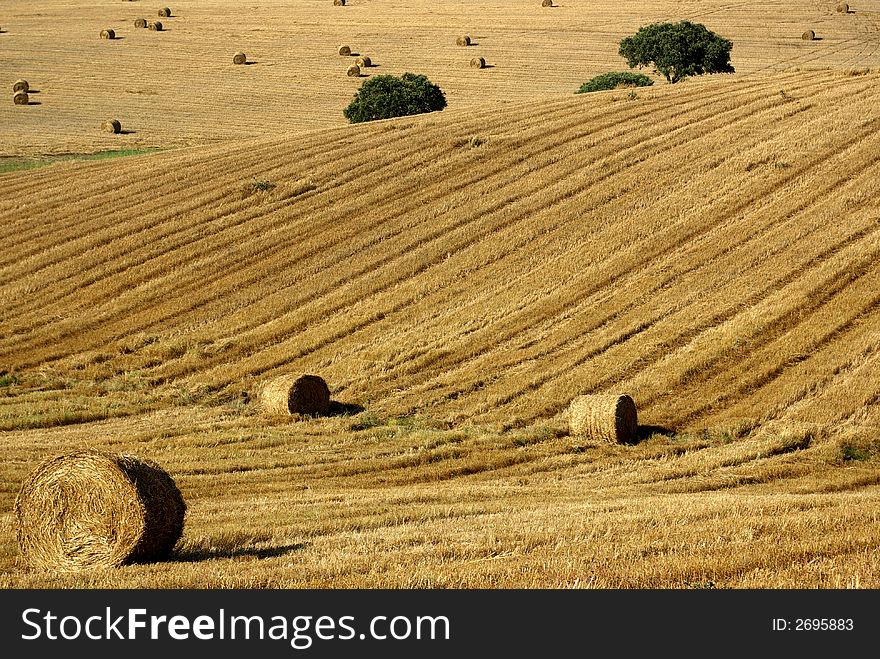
x,y
111,126
478,63
108,34
296,394
604,417
239,58
91,509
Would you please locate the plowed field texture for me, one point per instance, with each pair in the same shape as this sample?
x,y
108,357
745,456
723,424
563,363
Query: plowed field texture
x,y
711,248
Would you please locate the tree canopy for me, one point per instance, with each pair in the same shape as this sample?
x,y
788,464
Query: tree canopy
x,y
386,96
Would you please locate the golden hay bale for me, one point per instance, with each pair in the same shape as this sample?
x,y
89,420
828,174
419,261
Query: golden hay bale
x,y
547,3
141,22
165,12
239,58
338,3
111,126
344,50
354,71
108,34
155,27
21,98
478,63
843,8
91,509
364,61
463,40
296,394
21,86
605,417
809,35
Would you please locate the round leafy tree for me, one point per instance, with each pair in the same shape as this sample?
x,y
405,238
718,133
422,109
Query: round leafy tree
x,y
386,96
678,50
615,80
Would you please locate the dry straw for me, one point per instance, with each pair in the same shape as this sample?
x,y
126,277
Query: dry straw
x,y
296,394
478,63
21,98
155,27
108,34
463,40
21,86
364,61
111,126
91,509
354,71
141,22
604,417
164,12
239,58
809,35
344,51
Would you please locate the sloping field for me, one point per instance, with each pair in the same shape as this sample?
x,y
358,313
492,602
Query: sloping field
x,y
714,254
180,87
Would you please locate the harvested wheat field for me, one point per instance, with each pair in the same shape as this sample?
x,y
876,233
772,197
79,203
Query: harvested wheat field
x,y
711,249
175,88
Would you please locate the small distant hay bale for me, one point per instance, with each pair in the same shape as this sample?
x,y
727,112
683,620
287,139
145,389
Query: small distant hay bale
x,y
21,98
296,394
108,34
111,126
21,86
91,509
843,8
155,26
141,22
345,51
547,3
338,3
239,58
478,63
463,40
604,417
364,62
809,35
164,12
354,71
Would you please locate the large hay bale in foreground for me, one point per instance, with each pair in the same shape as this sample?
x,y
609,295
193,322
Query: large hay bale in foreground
x,y
111,126
296,394
345,51
164,12
478,63
91,509
21,98
108,34
140,22
809,35
21,86
463,40
364,61
354,71
239,58
604,417
155,27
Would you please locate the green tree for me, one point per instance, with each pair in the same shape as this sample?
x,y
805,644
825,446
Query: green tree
x,y
678,50
615,80
386,96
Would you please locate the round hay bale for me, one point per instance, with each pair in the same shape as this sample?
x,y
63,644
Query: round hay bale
x,y
478,63
155,27
547,3
843,8
111,126
604,417
354,71
21,86
296,394
338,3
364,61
809,35
164,12
21,98
345,51
141,22
108,34
91,509
239,58
463,40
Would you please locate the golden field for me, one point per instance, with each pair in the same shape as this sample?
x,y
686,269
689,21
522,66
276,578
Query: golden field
x,y
711,248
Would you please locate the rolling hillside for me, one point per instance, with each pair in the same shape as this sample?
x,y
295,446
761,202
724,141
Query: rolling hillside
x,y
461,277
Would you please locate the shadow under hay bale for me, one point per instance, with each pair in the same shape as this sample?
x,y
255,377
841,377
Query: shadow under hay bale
x,y
604,417
296,394
90,509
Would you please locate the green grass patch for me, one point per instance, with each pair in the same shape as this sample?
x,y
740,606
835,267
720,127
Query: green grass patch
x,y
8,165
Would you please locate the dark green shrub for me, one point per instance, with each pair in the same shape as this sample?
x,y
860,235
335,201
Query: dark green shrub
x,y
385,96
615,80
